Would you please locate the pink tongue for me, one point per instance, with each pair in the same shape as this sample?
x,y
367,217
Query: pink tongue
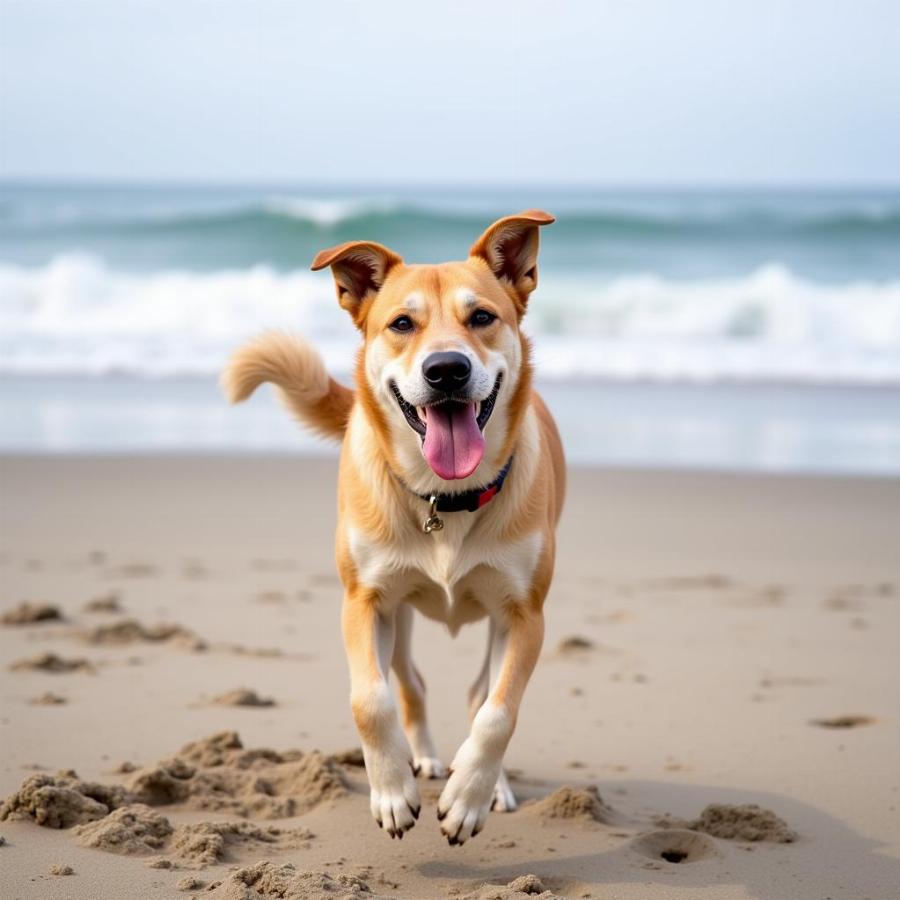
x,y
454,443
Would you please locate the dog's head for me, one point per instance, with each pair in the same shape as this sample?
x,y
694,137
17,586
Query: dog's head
x,y
444,368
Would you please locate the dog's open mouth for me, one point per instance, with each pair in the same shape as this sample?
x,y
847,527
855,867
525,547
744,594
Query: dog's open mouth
x,y
451,431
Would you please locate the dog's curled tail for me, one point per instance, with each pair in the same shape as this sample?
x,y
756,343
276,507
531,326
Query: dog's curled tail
x,y
298,372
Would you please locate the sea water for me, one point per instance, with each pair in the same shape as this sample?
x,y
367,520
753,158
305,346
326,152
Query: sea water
x,y
704,328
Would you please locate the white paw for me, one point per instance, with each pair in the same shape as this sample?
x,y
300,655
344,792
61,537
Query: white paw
x,y
394,798
504,798
466,800
429,767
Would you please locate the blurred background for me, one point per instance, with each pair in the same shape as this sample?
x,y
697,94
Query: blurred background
x,y
721,289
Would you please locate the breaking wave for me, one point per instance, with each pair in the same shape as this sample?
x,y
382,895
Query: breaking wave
x,y
294,212
77,315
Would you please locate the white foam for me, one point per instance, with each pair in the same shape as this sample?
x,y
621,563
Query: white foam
x,y
77,316
769,325
325,213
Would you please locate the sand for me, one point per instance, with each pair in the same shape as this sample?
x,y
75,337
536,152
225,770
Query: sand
x,y
130,631
517,889
48,698
61,869
570,803
218,774
242,697
138,830
265,880
110,603
52,663
61,800
27,613
714,715
747,822
131,829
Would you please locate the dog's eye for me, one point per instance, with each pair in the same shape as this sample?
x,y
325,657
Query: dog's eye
x,y
402,324
481,317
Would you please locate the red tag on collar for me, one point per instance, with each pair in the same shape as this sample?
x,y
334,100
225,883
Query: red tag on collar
x,y
487,496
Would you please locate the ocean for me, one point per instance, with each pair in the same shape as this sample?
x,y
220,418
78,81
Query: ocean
x,y
735,329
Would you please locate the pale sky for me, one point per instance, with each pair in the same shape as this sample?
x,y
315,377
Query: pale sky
x,y
633,91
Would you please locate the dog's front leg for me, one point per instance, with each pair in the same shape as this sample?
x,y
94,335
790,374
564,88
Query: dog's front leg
x,y
369,640
466,800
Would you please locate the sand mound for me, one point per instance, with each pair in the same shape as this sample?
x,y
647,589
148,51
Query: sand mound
x,y
575,644
242,697
109,603
61,800
137,830
523,886
50,662
131,830
59,869
746,822
217,773
844,721
164,784
30,613
257,652
48,698
190,883
134,570
130,631
265,880
353,756
571,803
743,823
205,843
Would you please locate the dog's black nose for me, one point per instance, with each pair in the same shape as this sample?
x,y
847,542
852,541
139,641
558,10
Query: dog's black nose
x,y
447,371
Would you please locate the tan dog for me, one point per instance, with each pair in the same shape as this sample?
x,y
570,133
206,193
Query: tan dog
x,y
443,417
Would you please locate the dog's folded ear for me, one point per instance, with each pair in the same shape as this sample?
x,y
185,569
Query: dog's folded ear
x,y
359,269
510,248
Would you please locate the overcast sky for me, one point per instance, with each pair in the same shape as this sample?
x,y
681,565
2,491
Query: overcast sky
x,y
635,91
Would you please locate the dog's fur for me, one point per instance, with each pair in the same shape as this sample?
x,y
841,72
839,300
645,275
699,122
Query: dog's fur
x,y
495,563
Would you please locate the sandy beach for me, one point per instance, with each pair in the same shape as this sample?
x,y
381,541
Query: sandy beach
x,y
713,641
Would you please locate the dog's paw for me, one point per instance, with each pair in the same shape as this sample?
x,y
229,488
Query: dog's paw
x,y
429,767
394,796
465,802
504,799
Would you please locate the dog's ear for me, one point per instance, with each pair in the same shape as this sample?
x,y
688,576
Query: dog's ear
x,y
510,248
359,269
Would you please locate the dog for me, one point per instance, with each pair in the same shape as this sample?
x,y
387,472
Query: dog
x,y
451,484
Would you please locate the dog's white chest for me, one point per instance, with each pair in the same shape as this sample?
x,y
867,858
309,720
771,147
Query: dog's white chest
x,y
445,573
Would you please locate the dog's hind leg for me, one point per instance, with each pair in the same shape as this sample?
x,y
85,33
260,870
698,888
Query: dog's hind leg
x,y
479,690
412,698
369,639
504,800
